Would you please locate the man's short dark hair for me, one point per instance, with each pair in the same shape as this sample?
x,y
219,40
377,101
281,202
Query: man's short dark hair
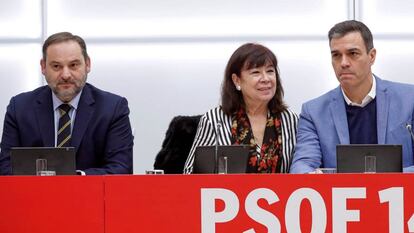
x,y
345,27
63,37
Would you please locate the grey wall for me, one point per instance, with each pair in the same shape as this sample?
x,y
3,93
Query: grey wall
x,y
168,57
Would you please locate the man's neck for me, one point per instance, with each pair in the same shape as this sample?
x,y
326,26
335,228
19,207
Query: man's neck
x,y
357,93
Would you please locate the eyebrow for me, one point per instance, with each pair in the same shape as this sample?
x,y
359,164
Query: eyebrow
x,y
348,50
76,61
73,61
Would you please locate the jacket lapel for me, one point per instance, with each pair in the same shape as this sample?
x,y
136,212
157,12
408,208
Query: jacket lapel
x,y
337,108
45,117
383,101
83,116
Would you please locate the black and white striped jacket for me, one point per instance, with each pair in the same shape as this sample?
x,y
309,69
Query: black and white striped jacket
x,y
205,135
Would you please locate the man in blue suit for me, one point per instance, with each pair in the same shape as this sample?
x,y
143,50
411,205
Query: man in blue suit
x,y
70,112
364,109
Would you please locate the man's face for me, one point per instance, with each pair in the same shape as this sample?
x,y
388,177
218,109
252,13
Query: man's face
x,y
350,60
65,69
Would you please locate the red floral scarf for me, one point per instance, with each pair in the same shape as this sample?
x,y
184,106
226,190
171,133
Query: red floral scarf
x,y
270,158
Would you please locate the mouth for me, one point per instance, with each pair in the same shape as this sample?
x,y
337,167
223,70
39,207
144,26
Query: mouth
x,y
346,76
264,88
346,73
65,85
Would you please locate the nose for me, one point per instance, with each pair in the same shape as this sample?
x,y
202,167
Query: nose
x,y
345,61
65,73
265,77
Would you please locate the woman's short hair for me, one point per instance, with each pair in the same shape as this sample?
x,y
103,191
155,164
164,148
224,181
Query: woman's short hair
x,y
249,56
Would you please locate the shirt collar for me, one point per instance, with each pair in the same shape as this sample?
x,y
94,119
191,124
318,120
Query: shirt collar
x,y
368,98
74,102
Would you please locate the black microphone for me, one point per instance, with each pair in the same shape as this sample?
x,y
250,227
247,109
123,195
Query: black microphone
x,y
216,159
410,130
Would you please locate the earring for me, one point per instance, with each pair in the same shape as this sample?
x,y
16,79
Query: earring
x,y
238,87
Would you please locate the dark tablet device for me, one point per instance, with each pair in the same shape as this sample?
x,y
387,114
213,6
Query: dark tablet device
x,y
235,156
353,158
59,159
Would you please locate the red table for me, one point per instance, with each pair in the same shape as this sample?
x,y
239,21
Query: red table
x,y
208,203
51,204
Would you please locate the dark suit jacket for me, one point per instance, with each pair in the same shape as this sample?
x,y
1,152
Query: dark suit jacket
x,y
101,134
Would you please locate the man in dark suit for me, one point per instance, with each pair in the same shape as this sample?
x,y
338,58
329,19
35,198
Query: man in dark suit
x,y
70,112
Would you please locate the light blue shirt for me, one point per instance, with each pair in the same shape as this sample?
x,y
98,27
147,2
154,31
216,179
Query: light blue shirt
x,y
72,113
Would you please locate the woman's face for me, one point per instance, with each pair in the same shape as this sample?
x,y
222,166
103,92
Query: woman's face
x,y
258,85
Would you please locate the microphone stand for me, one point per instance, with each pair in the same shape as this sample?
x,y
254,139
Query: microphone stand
x,y
410,130
216,159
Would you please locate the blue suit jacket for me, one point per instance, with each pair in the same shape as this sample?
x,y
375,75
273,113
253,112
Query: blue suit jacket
x,y
323,124
101,133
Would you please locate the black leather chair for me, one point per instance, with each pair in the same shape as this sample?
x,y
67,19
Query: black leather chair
x,y
177,144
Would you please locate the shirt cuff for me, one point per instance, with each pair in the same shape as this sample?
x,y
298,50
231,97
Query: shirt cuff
x,y
80,172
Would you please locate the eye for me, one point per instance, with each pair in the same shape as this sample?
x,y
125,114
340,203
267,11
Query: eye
x,y
354,54
55,66
74,65
254,71
270,70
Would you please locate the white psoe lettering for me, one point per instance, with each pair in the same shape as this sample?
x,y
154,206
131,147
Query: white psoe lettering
x,y
209,216
340,214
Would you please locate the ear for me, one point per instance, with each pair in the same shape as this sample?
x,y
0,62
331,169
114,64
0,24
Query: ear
x,y
372,55
43,66
88,64
236,79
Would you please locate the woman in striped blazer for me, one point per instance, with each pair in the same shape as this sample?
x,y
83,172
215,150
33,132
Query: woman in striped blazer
x,y
252,112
